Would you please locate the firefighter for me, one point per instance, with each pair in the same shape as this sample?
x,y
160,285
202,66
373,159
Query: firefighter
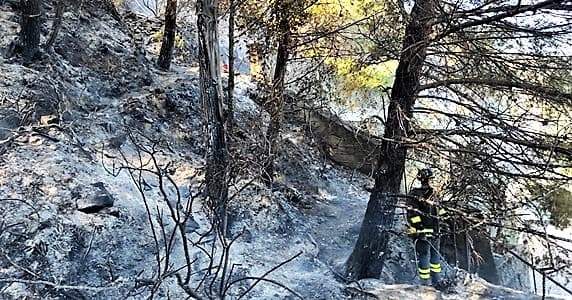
x,y
423,214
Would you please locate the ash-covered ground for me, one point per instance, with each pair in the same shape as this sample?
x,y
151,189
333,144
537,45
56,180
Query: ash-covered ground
x,y
76,223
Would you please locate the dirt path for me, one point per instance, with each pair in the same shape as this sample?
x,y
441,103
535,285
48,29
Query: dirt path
x,y
336,219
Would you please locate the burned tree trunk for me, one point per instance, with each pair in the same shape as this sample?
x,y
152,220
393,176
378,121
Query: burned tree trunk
x,y
57,25
485,266
470,250
367,258
166,53
275,104
230,98
211,96
29,38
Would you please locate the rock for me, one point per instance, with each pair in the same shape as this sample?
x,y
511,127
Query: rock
x,y
8,122
68,116
112,211
49,119
473,288
35,140
191,225
387,292
117,141
340,141
100,199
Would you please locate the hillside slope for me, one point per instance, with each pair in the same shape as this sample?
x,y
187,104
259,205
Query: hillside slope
x,y
74,224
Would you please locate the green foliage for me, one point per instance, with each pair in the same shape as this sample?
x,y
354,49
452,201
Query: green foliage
x,y
555,200
354,74
356,77
326,12
560,206
157,37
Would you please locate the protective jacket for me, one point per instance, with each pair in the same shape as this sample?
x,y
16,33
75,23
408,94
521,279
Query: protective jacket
x,y
423,212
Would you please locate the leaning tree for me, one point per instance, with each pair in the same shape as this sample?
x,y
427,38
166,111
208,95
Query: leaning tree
x,y
489,73
212,99
169,34
30,24
276,23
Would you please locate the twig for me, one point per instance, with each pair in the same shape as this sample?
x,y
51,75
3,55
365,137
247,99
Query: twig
x,y
258,279
262,278
20,267
187,290
63,287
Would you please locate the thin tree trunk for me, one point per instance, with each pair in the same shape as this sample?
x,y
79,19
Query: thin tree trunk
x,y
211,95
367,258
166,53
60,8
30,28
275,106
486,268
110,6
230,112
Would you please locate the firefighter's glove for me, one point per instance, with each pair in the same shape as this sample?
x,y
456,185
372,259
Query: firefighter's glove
x,y
411,231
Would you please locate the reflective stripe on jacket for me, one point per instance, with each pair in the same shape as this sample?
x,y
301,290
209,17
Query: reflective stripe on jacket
x,y
422,214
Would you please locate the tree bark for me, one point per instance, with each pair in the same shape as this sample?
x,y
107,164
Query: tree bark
x,y
486,268
275,105
367,258
211,96
110,6
57,25
30,28
230,98
458,251
166,53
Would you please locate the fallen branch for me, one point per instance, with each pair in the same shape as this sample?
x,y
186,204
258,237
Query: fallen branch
x,y
258,279
63,287
262,278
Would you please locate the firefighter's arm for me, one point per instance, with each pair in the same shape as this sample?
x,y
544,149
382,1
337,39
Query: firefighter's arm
x,y
412,228
443,213
414,220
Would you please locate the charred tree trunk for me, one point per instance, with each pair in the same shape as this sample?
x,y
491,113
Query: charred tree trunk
x,y
454,247
110,6
275,104
367,258
212,99
60,8
485,266
470,251
230,100
166,53
29,38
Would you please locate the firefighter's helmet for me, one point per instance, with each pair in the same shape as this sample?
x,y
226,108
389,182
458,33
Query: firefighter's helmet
x,y
426,173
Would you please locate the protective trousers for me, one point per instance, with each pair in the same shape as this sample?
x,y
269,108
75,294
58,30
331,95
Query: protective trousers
x,y
428,260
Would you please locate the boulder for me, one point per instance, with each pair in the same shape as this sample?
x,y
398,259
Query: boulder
x,y
9,121
338,140
342,143
99,199
465,287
